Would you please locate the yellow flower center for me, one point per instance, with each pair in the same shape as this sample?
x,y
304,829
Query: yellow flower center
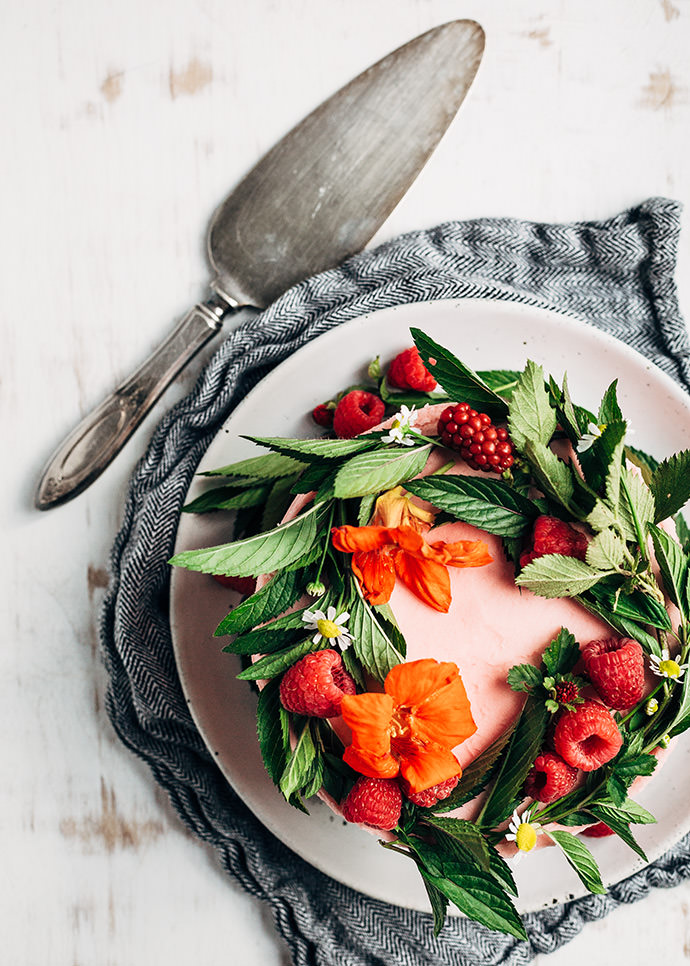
x,y
670,668
328,628
526,837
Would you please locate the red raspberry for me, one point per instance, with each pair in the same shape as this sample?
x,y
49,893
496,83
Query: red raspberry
x,y
316,685
479,442
550,778
552,535
615,667
567,692
434,795
243,585
323,415
587,737
597,831
407,371
374,801
357,412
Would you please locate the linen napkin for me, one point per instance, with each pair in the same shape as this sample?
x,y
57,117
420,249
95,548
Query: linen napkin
x,y
618,275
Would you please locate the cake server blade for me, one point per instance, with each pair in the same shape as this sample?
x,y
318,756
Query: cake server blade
x,y
317,197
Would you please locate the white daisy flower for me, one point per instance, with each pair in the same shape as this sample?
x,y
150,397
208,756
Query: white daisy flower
x,y
666,667
329,626
588,438
524,833
402,422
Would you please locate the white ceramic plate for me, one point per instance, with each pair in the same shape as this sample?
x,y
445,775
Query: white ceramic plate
x,y
485,334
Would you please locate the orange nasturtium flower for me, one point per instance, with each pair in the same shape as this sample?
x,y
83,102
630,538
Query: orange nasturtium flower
x,y
394,545
412,727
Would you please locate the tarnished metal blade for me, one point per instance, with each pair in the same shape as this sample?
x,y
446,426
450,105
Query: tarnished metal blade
x,y
324,190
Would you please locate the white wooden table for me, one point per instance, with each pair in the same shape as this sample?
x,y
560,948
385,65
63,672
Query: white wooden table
x,y
123,125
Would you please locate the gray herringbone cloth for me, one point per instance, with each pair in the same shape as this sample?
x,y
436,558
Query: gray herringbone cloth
x,y
616,274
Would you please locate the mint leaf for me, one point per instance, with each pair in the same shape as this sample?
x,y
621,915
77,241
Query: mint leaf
x,y
626,628
635,605
299,767
371,644
259,554
612,443
634,813
673,565
277,502
606,551
557,576
379,470
315,450
272,731
604,457
670,485
523,749
476,775
554,477
459,381
524,677
271,601
609,410
681,717
269,466
274,664
466,833
581,860
562,654
479,897
530,417
618,822
438,903
227,498
490,504
501,381
636,506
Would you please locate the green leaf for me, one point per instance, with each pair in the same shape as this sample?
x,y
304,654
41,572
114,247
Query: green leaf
x,y
635,605
523,749
315,450
606,551
299,766
624,627
567,414
671,485
227,498
562,654
524,677
268,636
269,466
501,381
500,870
610,445
459,381
609,410
466,833
490,504
272,730
681,697
617,822
643,461
478,896
601,517
438,903
682,531
581,860
274,664
531,417
366,509
555,478
673,565
477,774
556,576
634,813
637,504
371,644
277,502
379,470
272,600
259,554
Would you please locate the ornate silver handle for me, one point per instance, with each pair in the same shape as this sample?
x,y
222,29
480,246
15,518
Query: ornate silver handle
x,y
99,437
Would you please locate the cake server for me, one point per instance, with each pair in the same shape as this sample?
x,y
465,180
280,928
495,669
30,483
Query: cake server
x,y
317,197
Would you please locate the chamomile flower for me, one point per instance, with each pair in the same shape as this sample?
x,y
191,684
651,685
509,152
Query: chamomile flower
x,y
588,438
524,833
400,427
666,667
329,626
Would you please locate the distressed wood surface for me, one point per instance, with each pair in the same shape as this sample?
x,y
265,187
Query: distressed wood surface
x,y
123,127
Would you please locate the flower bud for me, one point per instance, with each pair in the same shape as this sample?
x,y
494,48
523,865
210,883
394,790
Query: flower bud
x,y
665,741
651,707
374,370
316,588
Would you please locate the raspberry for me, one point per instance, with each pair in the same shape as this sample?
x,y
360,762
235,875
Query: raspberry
x,y
587,737
567,692
407,371
243,585
550,778
551,535
597,831
434,795
323,415
316,685
357,412
374,801
479,442
615,667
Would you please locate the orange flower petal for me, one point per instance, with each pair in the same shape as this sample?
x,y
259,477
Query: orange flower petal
x,y
373,766
348,539
428,766
414,682
462,553
375,573
368,717
396,508
445,717
427,579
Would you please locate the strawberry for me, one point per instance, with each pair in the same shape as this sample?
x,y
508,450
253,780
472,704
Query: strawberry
x,y
587,737
316,685
550,778
374,801
357,412
407,371
615,667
